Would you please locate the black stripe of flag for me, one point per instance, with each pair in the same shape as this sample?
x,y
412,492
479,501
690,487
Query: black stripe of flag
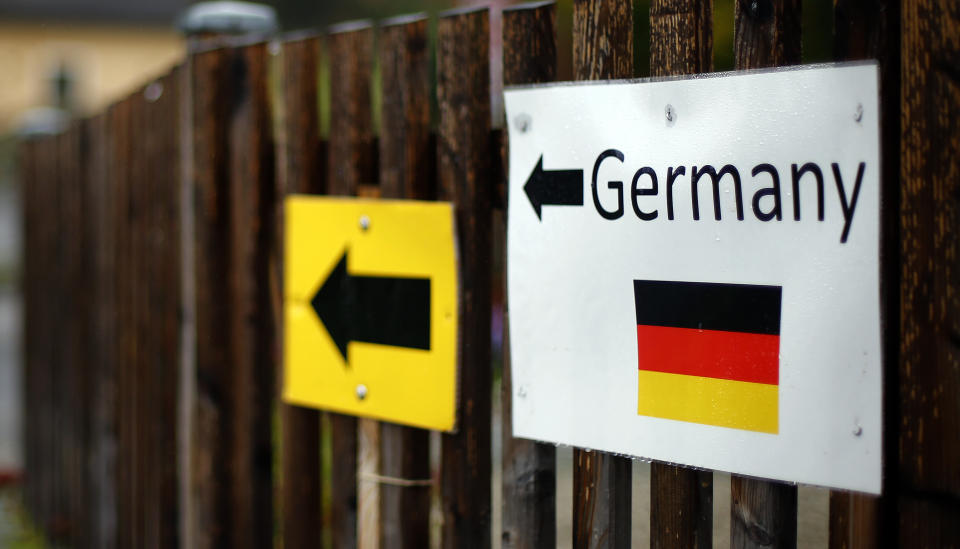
x,y
708,306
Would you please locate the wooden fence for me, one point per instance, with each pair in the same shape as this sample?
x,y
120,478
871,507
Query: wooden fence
x,y
153,300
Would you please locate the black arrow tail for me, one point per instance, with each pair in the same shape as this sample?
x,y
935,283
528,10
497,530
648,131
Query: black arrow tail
x,y
553,188
565,188
383,310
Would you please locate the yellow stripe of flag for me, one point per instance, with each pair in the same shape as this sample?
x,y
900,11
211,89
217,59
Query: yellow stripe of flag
x,y
720,402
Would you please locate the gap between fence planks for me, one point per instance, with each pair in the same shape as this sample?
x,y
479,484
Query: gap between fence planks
x,y
681,499
529,468
764,513
464,153
602,49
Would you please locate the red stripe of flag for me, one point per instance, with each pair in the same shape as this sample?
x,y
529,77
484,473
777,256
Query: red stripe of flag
x,y
737,356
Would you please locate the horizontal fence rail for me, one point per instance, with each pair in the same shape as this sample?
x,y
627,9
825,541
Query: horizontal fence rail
x,y
153,289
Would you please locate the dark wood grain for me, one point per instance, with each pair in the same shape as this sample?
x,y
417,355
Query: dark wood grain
x,y
299,170
681,499
252,207
601,490
464,154
104,429
125,284
142,394
870,30
764,513
101,429
351,143
929,372
168,261
158,327
407,165
681,506
602,39
28,184
73,345
766,33
349,163
681,37
407,158
209,402
602,49
28,180
529,468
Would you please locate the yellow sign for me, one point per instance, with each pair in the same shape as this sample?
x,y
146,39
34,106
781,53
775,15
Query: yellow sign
x,y
370,309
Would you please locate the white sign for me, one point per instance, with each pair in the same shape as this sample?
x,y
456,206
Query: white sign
x,y
693,271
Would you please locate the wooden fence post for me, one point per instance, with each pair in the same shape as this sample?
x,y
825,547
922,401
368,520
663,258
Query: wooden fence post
x,y
529,468
929,371
299,170
407,164
764,513
602,49
464,157
681,499
350,162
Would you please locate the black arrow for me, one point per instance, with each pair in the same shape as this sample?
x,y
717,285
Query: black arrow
x,y
372,309
554,188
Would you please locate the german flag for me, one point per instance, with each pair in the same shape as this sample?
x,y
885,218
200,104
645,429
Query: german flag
x,y
709,353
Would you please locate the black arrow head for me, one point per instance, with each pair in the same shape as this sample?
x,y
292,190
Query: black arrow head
x,y
534,188
331,303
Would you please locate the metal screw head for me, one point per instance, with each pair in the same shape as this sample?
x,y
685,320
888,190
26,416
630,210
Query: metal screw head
x,y
858,114
274,47
364,222
153,91
523,122
670,113
361,391
857,430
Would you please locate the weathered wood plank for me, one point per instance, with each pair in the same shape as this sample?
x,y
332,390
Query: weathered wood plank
x,y
929,372
681,499
464,154
529,468
766,34
681,37
602,49
407,170
349,163
299,170
252,379
209,402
